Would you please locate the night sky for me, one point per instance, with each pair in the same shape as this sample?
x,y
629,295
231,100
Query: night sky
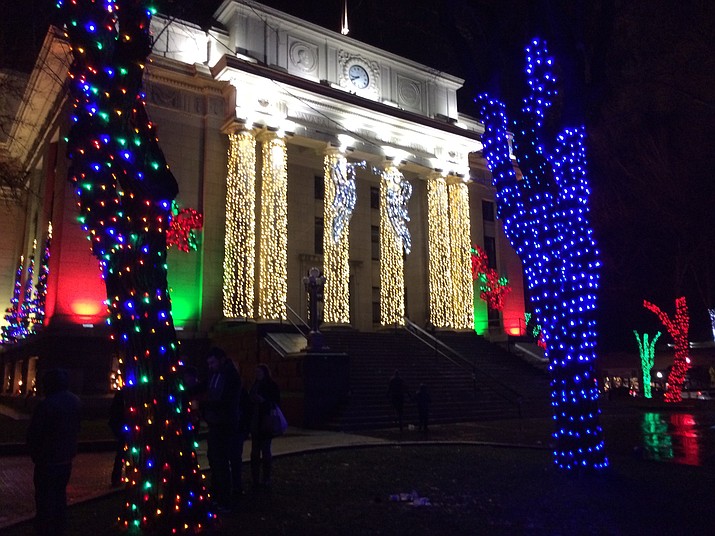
x,y
640,74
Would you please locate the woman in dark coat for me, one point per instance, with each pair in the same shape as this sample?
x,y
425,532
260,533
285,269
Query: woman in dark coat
x,y
265,396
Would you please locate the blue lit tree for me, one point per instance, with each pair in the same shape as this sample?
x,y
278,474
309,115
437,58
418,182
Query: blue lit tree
x,y
40,301
125,191
545,216
26,307
11,331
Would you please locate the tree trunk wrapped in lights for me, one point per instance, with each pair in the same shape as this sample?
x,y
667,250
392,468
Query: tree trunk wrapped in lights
x,y
678,328
125,191
647,353
545,217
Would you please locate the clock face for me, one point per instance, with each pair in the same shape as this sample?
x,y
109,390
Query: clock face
x,y
358,76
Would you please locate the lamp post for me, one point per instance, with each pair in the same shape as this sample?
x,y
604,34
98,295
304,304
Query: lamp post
x,y
314,283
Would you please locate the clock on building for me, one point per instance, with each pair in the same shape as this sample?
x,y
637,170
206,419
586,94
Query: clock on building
x,y
358,76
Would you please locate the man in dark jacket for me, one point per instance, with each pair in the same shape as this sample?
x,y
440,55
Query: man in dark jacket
x,y
52,441
222,412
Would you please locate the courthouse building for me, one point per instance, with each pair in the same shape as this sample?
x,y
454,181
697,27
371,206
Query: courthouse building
x,y
301,148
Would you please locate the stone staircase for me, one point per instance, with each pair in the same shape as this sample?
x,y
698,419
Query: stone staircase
x,y
485,385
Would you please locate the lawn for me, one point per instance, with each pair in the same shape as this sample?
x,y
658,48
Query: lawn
x,y
471,489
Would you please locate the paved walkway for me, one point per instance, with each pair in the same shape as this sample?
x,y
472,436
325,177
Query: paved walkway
x,y
91,471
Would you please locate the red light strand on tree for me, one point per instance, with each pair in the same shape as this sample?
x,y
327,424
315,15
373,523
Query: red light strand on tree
x,y
678,328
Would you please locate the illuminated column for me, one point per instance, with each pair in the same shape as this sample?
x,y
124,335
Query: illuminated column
x,y
240,240
273,273
336,233
462,304
438,251
394,237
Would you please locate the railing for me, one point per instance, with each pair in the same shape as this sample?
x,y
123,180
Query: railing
x,y
449,353
289,311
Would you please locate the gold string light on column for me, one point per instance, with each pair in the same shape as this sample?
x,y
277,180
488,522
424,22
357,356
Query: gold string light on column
x,y
438,251
273,271
462,306
240,238
336,268
392,272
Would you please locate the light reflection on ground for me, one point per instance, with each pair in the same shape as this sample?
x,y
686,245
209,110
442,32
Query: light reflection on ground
x,y
672,437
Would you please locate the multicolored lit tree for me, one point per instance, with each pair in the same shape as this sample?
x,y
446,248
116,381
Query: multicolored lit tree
x,y
678,328
182,228
545,216
125,191
494,288
647,353
26,307
11,331
39,303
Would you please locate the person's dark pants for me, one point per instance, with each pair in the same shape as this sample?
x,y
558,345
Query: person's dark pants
x,y
399,407
51,498
218,455
261,458
424,418
236,461
118,463
225,450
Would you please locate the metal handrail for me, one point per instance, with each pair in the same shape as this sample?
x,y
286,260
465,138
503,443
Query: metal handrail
x,y
423,336
296,326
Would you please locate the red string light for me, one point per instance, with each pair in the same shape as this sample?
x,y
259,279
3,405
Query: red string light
x,y
678,328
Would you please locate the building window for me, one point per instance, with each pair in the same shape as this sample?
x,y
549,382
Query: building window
x,y
490,248
319,236
375,305
487,210
319,187
375,242
374,197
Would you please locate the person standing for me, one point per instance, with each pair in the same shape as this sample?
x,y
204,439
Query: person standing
x,y
52,442
117,422
221,410
265,396
396,394
423,403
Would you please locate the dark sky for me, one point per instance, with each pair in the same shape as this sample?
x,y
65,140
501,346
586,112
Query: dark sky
x,y
639,73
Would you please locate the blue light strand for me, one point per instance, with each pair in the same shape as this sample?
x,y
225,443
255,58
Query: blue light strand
x,y
545,217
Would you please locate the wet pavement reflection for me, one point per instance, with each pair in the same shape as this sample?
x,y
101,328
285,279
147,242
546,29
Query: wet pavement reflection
x,y
683,438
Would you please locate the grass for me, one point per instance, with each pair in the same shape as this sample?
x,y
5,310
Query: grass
x,y
472,490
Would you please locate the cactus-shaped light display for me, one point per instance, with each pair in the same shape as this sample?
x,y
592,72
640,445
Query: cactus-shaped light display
x,y
647,353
